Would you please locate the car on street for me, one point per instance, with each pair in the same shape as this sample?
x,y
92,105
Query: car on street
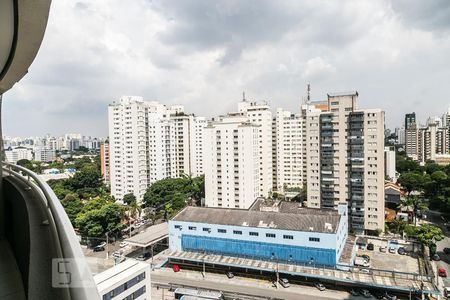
x,y
123,244
353,292
284,282
401,251
447,251
143,256
442,272
117,254
388,296
370,247
383,249
230,274
436,257
319,286
365,293
392,249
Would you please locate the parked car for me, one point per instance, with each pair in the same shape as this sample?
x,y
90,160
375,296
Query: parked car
x,y
319,286
401,251
366,257
436,257
117,254
442,272
354,292
447,251
99,248
365,293
284,282
230,274
377,294
123,244
392,249
370,247
143,256
388,296
383,249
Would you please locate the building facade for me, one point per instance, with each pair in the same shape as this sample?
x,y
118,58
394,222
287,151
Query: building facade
x,y
389,164
18,153
127,280
44,154
232,163
259,113
345,152
105,162
149,142
299,236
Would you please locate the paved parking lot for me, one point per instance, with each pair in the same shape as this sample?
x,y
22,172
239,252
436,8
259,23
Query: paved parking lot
x,y
393,261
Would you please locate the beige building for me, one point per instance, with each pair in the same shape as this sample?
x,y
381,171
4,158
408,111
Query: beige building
x,y
345,160
424,143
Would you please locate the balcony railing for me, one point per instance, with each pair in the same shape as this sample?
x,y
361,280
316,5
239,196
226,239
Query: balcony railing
x,y
64,238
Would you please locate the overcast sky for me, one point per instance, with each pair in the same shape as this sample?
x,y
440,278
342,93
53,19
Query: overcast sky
x,y
203,54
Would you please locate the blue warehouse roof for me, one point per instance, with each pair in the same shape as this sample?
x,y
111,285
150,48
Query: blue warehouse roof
x,y
310,220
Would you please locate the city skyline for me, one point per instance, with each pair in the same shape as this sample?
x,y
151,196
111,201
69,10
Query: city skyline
x,y
394,54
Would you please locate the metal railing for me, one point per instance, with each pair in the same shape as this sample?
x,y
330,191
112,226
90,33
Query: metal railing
x,y
67,245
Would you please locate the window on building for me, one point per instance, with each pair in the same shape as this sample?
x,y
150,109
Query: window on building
x,y
221,230
314,239
192,228
252,233
237,232
178,227
288,237
206,229
271,235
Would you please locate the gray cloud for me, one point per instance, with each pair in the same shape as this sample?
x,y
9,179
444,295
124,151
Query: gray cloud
x,y
203,54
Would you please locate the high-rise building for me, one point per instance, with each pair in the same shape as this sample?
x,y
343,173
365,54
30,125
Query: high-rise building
x,y
232,162
345,155
389,163
105,162
259,113
18,153
149,142
410,119
288,154
424,143
44,154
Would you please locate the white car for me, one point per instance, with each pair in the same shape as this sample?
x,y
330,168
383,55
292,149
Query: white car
x,y
123,244
392,250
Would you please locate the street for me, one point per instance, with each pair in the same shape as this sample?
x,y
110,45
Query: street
x,y
242,285
435,218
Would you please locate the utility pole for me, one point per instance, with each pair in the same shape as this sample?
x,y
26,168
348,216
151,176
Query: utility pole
x,y
107,245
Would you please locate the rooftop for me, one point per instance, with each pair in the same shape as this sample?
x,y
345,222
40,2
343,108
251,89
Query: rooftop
x,y
150,236
301,220
118,273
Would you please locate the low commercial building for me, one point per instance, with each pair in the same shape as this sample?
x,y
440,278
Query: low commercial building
x,y
127,280
19,153
286,234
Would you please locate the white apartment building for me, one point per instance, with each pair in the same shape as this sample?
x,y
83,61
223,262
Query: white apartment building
x,y
44,154
127,280
18,153
259,113
149,142
389,163
288,151
232,162
345,160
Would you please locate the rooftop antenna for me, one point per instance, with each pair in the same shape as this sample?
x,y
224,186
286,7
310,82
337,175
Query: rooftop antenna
x,y
308,101
243,97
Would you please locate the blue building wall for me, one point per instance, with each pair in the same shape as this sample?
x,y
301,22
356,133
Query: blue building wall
x,y
260,250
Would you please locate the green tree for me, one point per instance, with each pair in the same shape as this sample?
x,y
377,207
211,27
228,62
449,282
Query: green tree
x,y
411,181
415,203
97,222
129,198
429,234
86,178
397,226
25,163
134,209
73,206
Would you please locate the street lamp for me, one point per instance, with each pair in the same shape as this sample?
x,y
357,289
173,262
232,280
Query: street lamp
x,y
276,270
